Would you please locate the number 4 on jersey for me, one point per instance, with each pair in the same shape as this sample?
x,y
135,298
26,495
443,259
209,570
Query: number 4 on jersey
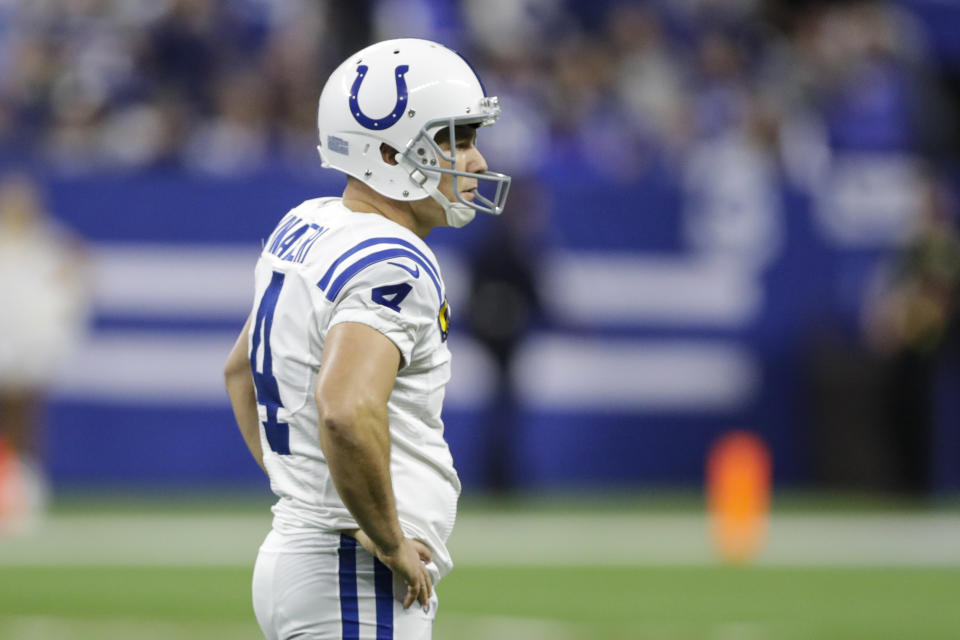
x,y
391,295
268,392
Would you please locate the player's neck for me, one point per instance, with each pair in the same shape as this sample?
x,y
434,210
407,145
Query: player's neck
x,y
359,197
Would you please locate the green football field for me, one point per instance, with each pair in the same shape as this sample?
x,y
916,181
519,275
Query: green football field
x,y
508,602
564,572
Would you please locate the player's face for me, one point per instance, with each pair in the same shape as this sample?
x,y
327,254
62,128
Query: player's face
x,y
468,158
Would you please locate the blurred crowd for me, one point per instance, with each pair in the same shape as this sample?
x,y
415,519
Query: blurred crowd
x,y
847,103
224,87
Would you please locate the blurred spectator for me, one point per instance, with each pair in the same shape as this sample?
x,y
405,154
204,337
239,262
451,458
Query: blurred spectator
x,y
732,190
873,402
44,288
739,106
913,323
98,83
504,304
234,139
651,75
182,50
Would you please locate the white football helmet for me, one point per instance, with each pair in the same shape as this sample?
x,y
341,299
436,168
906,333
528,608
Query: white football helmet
x,y
402,92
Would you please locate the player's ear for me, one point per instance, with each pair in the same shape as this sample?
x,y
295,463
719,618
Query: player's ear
x,y
388,153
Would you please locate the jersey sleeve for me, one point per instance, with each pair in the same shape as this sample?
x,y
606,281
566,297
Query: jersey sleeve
x,y
398,299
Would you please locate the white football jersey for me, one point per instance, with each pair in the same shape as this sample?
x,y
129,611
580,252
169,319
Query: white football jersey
x,y
321,266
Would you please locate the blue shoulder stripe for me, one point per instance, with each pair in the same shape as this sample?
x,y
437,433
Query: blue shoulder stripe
x,y
325,280
373,258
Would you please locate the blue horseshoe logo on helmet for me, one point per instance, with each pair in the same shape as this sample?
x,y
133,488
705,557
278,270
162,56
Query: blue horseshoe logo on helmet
x,y
391,118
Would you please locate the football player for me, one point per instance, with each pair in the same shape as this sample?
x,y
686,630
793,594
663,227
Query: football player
x,y
337,379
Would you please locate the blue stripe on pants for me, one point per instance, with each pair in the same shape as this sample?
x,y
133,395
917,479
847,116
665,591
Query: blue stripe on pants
x,y
349,607
383,584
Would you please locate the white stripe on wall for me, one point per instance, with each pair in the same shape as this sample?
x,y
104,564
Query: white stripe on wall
x,y
604,288
585,288
167,367
163,280
555,372
148,367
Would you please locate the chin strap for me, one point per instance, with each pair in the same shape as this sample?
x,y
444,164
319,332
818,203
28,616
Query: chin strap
x,y
458,214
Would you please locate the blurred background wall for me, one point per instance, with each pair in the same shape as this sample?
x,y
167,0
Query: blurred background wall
x,y
726,214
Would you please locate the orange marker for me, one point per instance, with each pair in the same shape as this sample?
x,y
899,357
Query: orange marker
x,y
12,492
738,494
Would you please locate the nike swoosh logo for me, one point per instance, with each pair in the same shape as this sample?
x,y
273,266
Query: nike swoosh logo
x,y
415,272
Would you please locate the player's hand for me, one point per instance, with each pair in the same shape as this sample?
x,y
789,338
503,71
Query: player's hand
x,y
409,561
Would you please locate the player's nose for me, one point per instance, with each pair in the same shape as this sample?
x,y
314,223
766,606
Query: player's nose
x,y
476,163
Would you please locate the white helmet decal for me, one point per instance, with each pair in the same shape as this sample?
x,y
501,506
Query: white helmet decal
x,y
401,93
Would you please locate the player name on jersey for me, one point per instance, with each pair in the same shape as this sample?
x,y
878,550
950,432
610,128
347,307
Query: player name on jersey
x,y
294,238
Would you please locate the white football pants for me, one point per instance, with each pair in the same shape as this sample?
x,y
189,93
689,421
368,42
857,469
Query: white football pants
x,y
332,589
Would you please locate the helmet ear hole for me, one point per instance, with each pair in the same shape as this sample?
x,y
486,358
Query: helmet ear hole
x,y
389,154
422,154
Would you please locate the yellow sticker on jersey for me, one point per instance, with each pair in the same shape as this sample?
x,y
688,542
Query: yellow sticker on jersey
x,y
443,320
